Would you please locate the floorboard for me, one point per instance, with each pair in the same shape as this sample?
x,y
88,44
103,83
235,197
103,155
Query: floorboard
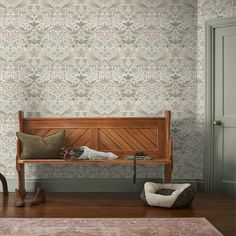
x,y
220,210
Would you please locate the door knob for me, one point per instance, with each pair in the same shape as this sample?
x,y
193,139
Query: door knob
x,y
217,122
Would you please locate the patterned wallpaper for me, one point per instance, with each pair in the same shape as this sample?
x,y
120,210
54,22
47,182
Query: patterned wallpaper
x,y
73,58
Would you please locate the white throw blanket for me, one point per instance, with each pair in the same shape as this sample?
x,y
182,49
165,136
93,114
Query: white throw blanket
x,y
91,154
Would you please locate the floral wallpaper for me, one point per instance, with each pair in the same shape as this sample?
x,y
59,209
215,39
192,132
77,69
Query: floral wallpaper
x,y
75,58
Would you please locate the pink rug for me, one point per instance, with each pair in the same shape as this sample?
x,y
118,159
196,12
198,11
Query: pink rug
x,y
107,227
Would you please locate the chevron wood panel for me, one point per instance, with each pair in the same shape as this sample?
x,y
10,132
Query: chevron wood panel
x,y
128,139
79,137
151,135
42,132
74,137
123,136
106,141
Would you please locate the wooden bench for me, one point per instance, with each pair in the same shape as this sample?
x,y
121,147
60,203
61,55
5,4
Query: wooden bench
x,y
122,136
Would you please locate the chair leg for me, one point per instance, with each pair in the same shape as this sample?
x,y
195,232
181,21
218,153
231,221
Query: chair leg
x,y
4,184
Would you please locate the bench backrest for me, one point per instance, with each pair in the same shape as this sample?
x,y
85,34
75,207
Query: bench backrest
x,y
122,136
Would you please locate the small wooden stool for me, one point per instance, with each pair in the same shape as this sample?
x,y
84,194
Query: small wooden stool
x,y
4,184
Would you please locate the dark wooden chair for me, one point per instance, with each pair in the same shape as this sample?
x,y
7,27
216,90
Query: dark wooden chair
x,y
4,184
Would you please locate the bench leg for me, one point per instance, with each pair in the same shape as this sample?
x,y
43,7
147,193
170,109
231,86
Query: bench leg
x,y
21,179
168,172
4,184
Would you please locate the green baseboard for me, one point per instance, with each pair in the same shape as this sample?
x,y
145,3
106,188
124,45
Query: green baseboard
x,y
95,185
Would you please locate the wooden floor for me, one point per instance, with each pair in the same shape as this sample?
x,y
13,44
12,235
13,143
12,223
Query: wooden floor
x,y
220,210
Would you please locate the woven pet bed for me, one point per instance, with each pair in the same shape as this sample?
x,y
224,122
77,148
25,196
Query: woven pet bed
x,y
167,195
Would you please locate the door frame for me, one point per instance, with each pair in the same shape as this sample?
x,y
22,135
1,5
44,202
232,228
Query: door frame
x,y
210,27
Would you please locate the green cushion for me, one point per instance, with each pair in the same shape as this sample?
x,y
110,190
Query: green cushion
x,y
36,147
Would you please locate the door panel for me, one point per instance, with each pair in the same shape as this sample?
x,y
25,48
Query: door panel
x,y
229,82
225,110
229,151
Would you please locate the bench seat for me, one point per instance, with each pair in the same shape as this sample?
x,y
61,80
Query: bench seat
x,y
115,162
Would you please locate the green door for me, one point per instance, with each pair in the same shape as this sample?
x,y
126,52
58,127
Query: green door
x,y
224,123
